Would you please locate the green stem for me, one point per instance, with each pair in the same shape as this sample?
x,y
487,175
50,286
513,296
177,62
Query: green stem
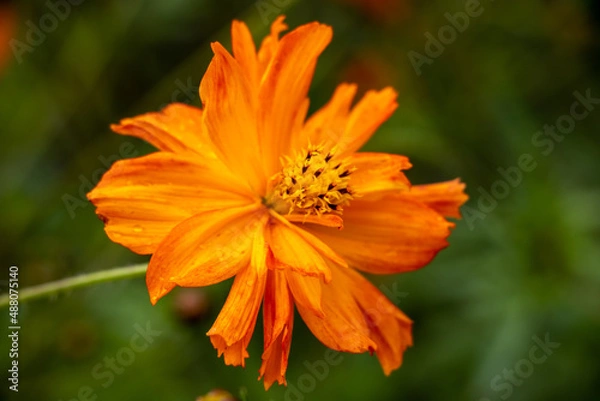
x,y
84,280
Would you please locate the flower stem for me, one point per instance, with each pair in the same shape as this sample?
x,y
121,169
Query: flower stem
x,y
84,280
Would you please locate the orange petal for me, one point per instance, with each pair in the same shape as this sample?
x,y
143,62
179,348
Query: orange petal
x,y
327,220
236,353
284,87
343,326
142,199
224,253
389,328
270,43
334,125
244,51
234,326
230,117
326,126
444,197
378,173
368,114
307,291
312,240
275,358
278,315
277,306
291,251
297,140
204,249
178,128
391,235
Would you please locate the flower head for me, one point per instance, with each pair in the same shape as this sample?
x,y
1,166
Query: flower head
x,y
249,187
7,30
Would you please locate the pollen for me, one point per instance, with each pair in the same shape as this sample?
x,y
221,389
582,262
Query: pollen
x,y
313,182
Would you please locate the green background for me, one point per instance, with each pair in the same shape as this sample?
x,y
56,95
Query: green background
x,y
528,266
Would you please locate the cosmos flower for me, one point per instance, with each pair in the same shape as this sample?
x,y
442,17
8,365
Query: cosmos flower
x,y
382,11
249,187
7,31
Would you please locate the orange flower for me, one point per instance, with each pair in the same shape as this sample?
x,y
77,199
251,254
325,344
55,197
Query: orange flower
x,y
7,30
383,11
249,188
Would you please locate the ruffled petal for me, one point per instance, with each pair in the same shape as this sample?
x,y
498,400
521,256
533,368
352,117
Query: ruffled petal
x,y
232,331
444,197
230,117
178,128
345,131
284,87
278,316
369,113
389,328
378,174
142,199
359,318
393,234
343,326
327,125
205,249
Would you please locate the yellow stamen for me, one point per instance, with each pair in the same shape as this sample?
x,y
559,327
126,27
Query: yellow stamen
x,y
313,182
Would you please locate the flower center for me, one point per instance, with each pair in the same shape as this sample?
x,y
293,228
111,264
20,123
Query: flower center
x,y
313,182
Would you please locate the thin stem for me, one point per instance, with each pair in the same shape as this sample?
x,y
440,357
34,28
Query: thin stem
x,y
84,280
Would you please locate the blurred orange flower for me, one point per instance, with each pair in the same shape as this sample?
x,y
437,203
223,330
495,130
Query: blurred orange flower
x,y
217,395
7,30
369,68
249,187
383,11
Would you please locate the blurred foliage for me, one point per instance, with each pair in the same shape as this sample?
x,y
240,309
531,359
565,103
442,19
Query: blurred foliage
x,y
530,267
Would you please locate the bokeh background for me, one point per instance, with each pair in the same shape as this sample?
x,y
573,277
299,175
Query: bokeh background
x,y
527,266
